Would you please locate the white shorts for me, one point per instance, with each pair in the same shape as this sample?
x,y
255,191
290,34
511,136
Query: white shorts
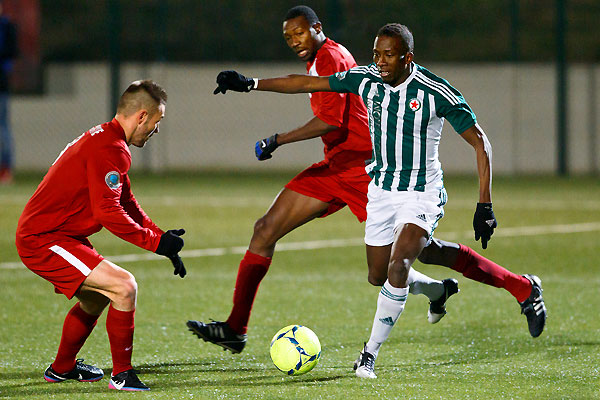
x,y
386,211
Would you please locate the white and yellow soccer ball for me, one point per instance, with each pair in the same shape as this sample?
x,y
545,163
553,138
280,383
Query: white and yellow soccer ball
x,y
295,350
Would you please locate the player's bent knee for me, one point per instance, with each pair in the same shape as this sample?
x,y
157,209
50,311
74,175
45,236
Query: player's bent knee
x,y
123,286
128,287
264,232
399,268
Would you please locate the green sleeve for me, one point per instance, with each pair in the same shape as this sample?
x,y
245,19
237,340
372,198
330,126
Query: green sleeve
x,y
346,81
456,111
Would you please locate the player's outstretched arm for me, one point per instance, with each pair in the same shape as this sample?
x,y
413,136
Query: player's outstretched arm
x,y
295,84
233,80
484,220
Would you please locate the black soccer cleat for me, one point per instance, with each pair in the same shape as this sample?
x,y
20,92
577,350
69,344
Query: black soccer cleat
x,y
82,373
437,308
127,380
219,333
534,307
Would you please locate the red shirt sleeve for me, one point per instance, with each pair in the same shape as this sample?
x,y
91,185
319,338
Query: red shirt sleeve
x,y
107,172
330,106
133,209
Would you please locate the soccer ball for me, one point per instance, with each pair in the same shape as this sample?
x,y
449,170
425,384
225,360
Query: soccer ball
x,y
295,350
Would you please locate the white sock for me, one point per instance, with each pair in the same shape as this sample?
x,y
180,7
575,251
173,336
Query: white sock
x,y
390,304
419,283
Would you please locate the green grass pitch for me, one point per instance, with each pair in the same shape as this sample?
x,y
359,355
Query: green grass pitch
x,y
480,350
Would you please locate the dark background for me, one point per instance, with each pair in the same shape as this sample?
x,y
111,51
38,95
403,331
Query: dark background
x,y
244,30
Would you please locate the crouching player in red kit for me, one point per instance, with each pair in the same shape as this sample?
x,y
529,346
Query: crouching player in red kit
x,y
85,189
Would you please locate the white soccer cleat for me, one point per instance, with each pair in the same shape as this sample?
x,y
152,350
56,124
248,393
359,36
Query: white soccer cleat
x,y
364,365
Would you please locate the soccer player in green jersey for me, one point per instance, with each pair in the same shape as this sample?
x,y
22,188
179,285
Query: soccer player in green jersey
x,y
407,106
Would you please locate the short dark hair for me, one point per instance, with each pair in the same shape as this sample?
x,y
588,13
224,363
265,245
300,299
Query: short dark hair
x,y
141,94
398,31
302,11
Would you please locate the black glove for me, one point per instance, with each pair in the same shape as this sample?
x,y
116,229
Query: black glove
x,y
178,265
170,243
264,148
232,80
484,223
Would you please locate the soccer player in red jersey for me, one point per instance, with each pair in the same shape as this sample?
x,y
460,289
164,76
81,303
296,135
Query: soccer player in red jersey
x,y
85,189
341,121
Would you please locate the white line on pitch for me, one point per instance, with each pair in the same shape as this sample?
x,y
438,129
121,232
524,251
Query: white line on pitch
x,y
323,244
264,201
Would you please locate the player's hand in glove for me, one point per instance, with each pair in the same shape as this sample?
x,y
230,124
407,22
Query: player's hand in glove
x,y
484,223
264,148
170,244
232,80
179,268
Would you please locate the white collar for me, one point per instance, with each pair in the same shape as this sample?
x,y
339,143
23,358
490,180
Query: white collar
x,y
404,84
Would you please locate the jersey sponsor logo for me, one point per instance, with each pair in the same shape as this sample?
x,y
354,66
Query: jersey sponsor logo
x,y
113,180
341,75
422,217
414,104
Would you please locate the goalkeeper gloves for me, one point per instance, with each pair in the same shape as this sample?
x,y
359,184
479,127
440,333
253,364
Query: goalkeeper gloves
x,y
484,223
169,246
232,80
264,148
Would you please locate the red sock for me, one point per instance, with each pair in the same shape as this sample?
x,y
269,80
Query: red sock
x,y
480,269
77,327
251,271
119,326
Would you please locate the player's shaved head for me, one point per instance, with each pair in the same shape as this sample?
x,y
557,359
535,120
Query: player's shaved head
x,y
302,11
399,31
139,95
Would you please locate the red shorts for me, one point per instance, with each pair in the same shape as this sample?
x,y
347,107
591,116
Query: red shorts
x,y
61,260
336,187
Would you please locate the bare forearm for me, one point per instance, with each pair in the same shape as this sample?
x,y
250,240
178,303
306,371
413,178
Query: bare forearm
x,y
295,84
312,129
484,170
483,150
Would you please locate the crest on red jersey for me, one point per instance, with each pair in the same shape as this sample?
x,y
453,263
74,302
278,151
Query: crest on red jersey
x,y
113,180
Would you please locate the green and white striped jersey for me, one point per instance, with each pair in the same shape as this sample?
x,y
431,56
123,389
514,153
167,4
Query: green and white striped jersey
x,y
406,124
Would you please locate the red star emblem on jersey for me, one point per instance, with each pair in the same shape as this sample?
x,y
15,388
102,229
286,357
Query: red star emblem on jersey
x,y
414,104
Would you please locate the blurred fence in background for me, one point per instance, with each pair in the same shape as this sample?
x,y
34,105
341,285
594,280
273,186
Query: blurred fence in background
x,y
514,103
503,55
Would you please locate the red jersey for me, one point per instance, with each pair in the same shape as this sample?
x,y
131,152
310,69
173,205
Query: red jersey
x,y
350,144
88,188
